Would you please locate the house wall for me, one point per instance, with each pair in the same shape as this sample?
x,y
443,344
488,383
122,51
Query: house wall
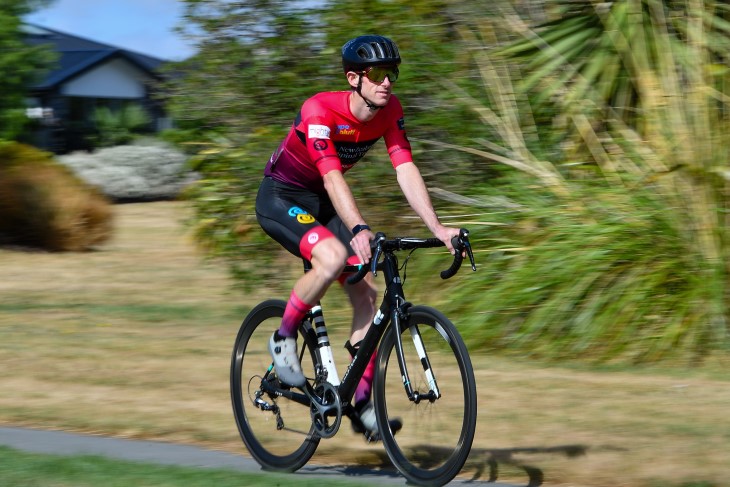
x,y
115,79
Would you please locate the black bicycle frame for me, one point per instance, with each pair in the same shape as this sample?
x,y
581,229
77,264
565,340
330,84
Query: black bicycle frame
x,y
388,312
392,310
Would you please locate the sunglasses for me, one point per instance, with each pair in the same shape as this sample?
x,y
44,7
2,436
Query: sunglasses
x,y
377,74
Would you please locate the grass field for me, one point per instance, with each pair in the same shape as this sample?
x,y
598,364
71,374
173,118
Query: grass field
x,y
19,469
134,341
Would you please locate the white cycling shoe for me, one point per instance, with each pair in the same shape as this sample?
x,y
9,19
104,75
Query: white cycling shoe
x,y
286,361
369,425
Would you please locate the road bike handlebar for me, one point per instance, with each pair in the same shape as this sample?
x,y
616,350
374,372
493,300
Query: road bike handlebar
x,y
380,244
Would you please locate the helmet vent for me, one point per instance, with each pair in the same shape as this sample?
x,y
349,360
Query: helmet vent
x,y
380,50
363,53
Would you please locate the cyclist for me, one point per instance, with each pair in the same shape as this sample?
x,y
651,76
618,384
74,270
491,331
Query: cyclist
x,y
305,204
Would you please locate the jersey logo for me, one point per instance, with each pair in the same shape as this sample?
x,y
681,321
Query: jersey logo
x,y
351,152
345,130
320,144
401,123
318,132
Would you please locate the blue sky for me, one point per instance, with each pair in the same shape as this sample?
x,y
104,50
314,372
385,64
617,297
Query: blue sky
x,y
143,26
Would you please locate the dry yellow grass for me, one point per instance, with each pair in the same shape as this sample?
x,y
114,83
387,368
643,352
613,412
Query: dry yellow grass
x,y
44,205
134,340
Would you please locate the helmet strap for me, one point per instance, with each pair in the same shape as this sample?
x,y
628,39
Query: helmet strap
x,y
372,106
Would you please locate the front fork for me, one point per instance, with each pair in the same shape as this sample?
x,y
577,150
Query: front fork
x,y
400,317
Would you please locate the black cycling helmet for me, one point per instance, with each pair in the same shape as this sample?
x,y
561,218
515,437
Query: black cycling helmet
x,y
370,50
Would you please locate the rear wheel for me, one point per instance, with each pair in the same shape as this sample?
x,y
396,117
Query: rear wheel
x,y
437,432
277,431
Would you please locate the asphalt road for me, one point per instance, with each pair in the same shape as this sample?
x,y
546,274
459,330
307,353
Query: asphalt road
x,y
68,444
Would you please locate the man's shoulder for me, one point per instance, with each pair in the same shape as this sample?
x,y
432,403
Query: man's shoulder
x,y
328,99
327,107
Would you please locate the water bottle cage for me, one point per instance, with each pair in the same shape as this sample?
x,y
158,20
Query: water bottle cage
x,y
352,348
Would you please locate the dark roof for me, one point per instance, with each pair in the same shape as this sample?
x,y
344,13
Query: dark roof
x,y
77,54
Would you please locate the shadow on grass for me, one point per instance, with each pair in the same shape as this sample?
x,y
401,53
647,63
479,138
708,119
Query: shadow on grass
x,y
483,464
483,460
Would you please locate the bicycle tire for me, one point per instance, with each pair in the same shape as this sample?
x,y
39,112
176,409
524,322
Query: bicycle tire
x,y
436,437
274,448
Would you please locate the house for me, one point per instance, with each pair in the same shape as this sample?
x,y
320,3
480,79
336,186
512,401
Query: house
x,y
88,75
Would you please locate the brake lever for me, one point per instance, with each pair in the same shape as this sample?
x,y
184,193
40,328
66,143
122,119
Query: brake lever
x,y
464,240
377,247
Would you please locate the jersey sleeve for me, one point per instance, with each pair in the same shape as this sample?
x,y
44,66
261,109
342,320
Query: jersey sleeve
x,y
317,129
396,140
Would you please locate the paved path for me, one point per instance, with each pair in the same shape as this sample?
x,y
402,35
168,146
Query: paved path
x,y
60,443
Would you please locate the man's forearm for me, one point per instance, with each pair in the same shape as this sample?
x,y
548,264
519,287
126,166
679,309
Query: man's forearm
x,y
415,190
342,199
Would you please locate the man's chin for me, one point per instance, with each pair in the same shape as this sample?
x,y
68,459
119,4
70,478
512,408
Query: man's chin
x,y
382,101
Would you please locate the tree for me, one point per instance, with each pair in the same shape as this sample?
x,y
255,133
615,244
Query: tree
x,y
20,64
249,69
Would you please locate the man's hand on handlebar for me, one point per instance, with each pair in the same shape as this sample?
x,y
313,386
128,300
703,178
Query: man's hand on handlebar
x,y
360,243
446,235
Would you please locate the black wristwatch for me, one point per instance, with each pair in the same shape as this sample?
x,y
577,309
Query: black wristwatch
x,y
359,228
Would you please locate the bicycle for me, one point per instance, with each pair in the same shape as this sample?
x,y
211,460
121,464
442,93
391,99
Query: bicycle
x,y
282,426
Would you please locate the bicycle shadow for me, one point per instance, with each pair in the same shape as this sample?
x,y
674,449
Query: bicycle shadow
x,y
483,464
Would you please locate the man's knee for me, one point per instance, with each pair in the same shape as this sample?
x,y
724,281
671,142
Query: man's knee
x,y
328,258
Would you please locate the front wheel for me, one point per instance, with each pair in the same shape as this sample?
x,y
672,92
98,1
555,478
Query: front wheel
x,y
277,430
438,431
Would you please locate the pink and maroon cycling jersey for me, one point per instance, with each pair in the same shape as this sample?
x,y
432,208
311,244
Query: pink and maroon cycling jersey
x,y
326,136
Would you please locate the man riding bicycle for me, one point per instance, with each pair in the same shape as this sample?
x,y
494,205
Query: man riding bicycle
x,y
305,204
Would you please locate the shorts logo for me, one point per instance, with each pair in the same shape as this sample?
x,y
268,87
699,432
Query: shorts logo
x,y
319,132
301,215
313,238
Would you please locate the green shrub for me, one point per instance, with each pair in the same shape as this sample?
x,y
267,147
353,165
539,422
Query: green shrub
x,y
116,127
13,123
43,205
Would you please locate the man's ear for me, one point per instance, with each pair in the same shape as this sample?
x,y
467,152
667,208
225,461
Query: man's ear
x,y
353,78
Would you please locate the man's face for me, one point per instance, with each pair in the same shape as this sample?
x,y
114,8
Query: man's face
x,y
377,84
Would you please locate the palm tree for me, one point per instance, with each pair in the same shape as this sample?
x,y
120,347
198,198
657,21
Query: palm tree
x,y
650,75
637,89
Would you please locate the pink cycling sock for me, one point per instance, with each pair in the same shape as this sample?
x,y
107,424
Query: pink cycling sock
x,y
293,314
362,393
